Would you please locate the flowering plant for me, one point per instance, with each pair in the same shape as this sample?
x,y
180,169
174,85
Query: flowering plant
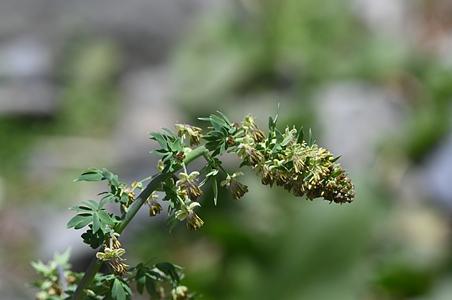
x,y
284,158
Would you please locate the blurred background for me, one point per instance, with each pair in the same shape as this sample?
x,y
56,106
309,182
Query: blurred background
x,y
82,83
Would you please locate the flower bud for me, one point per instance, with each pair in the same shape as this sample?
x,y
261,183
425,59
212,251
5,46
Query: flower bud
x,y
180,156
179,293
194,221
192,132
238,190
154,208
188,186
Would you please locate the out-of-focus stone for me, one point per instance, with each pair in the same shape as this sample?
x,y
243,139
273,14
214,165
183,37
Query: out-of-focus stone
x,y
31,98
145,28
391,18
437,29
146,108
444,49
437,175
55,226
25,67
354,117
51,154
24,57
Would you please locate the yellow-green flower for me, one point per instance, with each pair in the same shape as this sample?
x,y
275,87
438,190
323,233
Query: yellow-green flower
x,y
186,212
251,128
112,254
193,133
194,221
154,207
237,189
179,293
188,185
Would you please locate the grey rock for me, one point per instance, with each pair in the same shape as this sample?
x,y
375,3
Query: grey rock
x,y
146,29
27,97
54,154
56,237
437,174
146,108
390,18
444,49
354,116
24,57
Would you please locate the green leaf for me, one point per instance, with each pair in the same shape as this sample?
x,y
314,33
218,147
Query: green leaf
x,y
81,209
105,218
94,240
91,175
79,221
62,259
286,140
311,139
117,291
336,158
170,270
150,287
83,222
215,190
96,222
108,198
217,123
300,135
140,278
108,175
40,267
224,117
112,178
91,204
158,137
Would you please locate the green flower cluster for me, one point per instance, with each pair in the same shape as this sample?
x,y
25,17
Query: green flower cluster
x,y
112,253
287,160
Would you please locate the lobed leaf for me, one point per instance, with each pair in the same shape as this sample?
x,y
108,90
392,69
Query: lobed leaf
x,y
118,292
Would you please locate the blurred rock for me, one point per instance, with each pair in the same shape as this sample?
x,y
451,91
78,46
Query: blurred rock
x,y
50,155
354,116
24,57
437,29
25,88
146,108
52,225
31,98
390,18
146,29
444,49
437,175
25,66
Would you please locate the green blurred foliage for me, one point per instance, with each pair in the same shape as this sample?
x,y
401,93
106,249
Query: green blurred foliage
x,y
89,96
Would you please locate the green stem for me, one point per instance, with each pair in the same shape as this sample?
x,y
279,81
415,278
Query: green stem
x,y
96,264
210,160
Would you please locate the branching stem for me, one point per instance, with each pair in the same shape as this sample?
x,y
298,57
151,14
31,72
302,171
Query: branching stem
x,y
96,264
